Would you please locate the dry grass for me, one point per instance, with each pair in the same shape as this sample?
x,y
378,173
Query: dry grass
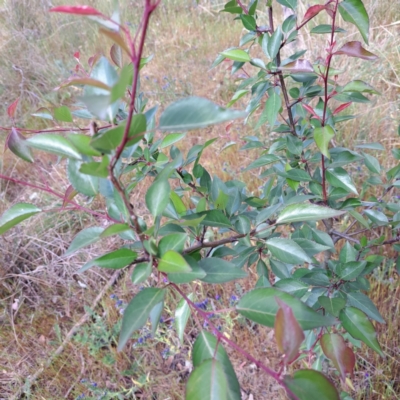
x,y
36,54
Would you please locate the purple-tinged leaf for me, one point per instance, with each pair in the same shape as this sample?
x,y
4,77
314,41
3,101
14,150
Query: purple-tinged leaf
x,y
77,10
342,107
298,66
12,107
343,358
355,49
16,142
312,12
288,332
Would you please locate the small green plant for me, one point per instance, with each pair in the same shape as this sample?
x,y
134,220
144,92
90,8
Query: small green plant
x,y
311,235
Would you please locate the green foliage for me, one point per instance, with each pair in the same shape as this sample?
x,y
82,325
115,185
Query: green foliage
x,y
308,236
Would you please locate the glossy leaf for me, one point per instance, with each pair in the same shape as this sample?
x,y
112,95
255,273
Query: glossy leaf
x,y
206,347
16,142
322,136
308,384
288,333
236,55
360,327
259,305
16,214
182,314
365,304
171,139
114,260
77,10
109,139
82,144
292,286
312,12
157,197
298,66
84,238
173,262
354,49
377,217
174,241
306,212
350,270
141,272
54,144
333,305
287,251
194,113
137,312
274,42
353,11
338,177
310,247
207,382
343,358
220,271
83,183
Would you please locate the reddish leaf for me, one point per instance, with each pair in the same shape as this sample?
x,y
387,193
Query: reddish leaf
x,y
77,10
116,38
298,66
116,55
16,142
12,107
310,110
70,193
92,60
77,55
288,332
342,107
84,81
312,12
355,49
334,347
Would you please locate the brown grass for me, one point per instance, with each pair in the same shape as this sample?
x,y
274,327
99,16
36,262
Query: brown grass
x,y
36,54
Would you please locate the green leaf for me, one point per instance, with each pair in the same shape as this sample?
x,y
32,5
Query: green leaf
x,y
325,28
96,169
207,382
214,218
306,212
155,315
16,214
350,270
84,238
308,384
333,305
157,197
220,271
236,55
364,303
287,251
310,247
54,144
182,314
83,183
334,347
260,306
114,260
186,277
63,114
207,347
16,142
322,136
292,286
361,87
141,272
109,139
82,144
171,139
263,160
377,217
248,22
194,113
137,312
353,11
271,110
338,177
174,241
292,4
274,43
360,327
173,262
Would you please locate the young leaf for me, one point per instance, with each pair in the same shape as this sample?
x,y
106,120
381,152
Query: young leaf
x,y
354,49
306,212
308,384
236,55
77,10
16,142
69,194
360,327
157,197
137,312
12,108
353,11
343,358
288,333
54,144
259,306
63,114
220,271
114,260
84,238
312,12
287,251
342,107
194,113
182,314
207,382
207,347
298,66
173,262
322,136
16,214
